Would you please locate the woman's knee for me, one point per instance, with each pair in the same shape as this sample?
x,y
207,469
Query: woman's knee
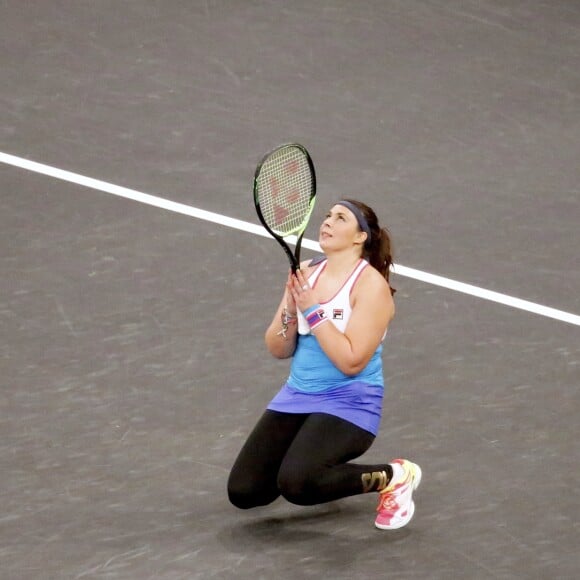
x,y
246,495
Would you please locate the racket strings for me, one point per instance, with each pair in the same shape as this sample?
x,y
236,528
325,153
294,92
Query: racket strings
x,y
284,187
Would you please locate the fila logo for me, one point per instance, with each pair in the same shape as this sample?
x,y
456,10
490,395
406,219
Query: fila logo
x,y
337,313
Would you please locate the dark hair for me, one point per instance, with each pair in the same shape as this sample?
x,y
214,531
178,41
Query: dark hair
x,y
378,248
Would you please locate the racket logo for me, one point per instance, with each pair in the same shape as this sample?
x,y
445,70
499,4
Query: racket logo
x,y
274,187
292,167
293,196
280,215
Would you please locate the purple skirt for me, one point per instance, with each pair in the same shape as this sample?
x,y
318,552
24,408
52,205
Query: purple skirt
x,y
358,403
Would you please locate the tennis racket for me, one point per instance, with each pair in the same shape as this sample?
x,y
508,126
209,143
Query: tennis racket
x,y
284,195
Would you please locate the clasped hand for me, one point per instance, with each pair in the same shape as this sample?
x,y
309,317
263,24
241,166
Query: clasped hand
x,y
300,294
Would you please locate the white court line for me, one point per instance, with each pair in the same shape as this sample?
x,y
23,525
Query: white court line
x,y
260,231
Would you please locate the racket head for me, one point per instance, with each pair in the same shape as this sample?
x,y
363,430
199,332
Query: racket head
x,y
285,190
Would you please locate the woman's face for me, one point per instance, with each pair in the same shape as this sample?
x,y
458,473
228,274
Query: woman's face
x,y
340,229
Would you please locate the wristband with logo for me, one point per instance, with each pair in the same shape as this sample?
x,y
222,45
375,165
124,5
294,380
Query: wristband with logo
x,y
315,316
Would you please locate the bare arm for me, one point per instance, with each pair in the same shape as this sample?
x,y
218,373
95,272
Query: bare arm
x,y
278,345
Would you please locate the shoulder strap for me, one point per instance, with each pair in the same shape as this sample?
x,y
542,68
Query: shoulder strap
x,y
353,278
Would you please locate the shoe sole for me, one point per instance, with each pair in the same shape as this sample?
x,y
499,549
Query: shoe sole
x,y
416,481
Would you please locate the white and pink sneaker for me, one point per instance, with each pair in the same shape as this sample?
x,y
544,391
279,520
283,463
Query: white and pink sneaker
x,y
396,506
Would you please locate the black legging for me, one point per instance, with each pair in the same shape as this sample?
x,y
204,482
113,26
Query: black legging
x,y
304,459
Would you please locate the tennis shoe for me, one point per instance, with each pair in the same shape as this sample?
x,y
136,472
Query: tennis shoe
x,y
396,506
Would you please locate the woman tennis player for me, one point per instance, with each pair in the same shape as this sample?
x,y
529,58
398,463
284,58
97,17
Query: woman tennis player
x,y
332,321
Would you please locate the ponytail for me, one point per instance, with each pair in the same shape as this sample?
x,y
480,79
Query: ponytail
x,y
378,247
378,252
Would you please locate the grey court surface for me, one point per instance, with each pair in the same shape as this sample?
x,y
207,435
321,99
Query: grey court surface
x,y
132,358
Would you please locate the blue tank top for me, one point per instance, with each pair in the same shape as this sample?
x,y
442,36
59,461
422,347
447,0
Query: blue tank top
x,y
311,370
